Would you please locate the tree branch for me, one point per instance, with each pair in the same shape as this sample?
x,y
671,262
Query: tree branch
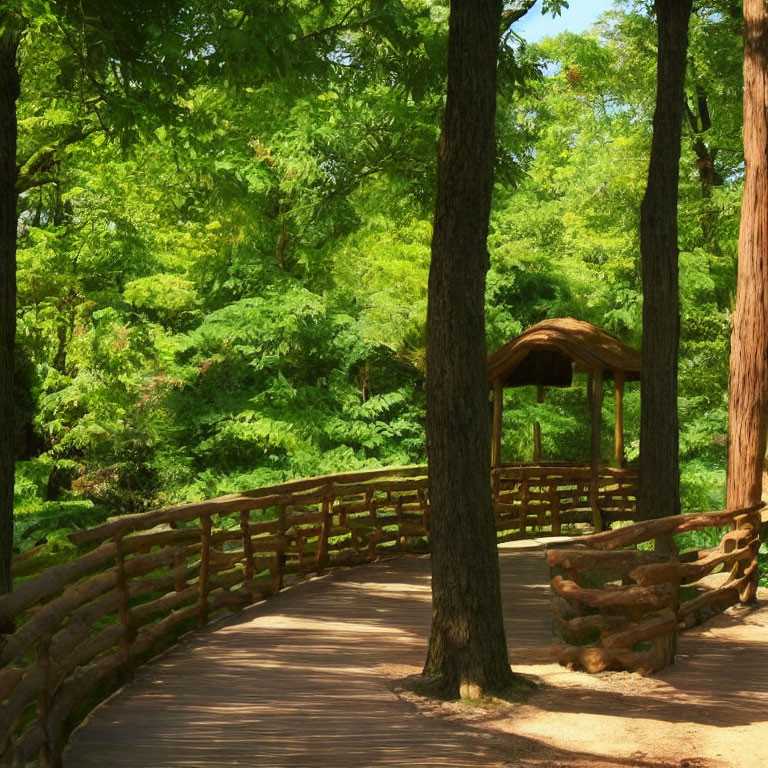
x,y
340,24
692,119
513,14
35,170
703,105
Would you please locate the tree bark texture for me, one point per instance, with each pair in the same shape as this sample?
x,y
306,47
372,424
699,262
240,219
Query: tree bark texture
x,y
9,91
659,463
748,396
467,648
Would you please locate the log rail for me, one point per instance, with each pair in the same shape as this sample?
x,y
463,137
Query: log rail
x,y
547,497
134,584
619,607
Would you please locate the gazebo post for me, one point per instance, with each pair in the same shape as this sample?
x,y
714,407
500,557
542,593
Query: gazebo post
x,y
537,426
595,387
498,403
619,377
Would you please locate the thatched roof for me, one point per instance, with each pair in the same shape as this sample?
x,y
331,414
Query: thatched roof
x,y
549,352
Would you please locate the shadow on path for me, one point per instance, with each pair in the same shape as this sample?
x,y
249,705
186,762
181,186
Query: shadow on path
x,y
301,680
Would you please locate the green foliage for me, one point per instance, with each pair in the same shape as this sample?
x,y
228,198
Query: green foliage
x,y
40,522
223,260
706,538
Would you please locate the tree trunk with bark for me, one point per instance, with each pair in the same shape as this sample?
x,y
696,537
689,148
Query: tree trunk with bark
x,y
467,652
9,91
659,466
748,396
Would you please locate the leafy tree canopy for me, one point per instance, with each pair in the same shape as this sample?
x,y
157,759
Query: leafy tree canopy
x,y
224,225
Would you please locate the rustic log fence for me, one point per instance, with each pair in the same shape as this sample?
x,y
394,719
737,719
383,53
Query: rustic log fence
x,y
139,581
547,497
134,584
617,608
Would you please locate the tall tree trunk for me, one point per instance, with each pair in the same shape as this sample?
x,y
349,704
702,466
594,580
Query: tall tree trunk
x,y
659,470
748,400
9,91
467,646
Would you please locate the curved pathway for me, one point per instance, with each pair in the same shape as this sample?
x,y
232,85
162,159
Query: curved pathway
x,y
308,678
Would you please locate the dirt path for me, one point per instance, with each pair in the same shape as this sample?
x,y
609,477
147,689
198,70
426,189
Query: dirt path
x,y
309,678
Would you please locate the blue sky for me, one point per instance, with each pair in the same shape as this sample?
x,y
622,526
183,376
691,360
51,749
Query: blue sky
x,y
580,16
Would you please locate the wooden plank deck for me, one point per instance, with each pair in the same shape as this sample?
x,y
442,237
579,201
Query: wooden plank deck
x,y
306,679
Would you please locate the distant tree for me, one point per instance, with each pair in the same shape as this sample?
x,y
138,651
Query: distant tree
x,y
467,647
113,51
748,395
659,460
9,91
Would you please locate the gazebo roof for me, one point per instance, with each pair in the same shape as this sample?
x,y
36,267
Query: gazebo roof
x,y
549,352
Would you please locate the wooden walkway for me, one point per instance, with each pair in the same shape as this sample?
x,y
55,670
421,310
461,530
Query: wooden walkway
x,y
308,678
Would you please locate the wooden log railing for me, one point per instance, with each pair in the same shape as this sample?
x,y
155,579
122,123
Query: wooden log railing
x,y
547,497
134,584
619,607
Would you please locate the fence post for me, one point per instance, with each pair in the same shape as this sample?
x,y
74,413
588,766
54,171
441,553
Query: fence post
x,y
282,545
523,505
399,513
245,527
205,569
126,618
748,590
47,750
322,544
424,503
554,502
665,646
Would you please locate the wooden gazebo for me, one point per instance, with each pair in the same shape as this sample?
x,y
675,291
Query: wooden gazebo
x,y
547,355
